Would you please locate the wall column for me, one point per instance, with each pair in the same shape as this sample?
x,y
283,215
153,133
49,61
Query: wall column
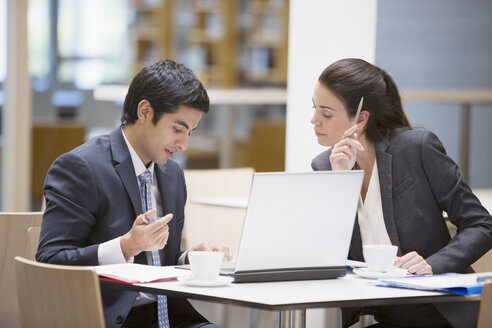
x,y
16,156
320,32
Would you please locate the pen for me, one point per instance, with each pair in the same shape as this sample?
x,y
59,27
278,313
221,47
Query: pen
x,y
415,275
358,112
144,219
165,217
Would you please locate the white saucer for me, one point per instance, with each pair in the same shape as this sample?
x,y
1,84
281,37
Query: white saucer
x,y
395,273
221,281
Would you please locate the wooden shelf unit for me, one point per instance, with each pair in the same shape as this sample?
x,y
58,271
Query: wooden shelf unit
x,y
266,42
227,43
211,40
151,32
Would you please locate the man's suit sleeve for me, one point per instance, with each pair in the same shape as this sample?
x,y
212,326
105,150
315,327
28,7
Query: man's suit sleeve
x,y
71,197
474,236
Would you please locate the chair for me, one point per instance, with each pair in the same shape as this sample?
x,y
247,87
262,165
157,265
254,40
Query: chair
x,y
13,242
32,242
50,140
58,295
215,224
265,148
485,196
484,264
485,315
220,225
43,204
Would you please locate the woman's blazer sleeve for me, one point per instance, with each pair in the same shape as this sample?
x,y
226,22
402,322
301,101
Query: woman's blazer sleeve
x,y
474,223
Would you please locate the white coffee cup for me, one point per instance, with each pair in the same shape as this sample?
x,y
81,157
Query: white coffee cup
x,y
380,258
205,265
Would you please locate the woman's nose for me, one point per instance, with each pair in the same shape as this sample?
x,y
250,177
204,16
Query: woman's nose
x,y
314,120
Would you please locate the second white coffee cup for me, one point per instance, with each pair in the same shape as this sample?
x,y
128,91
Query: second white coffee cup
x,y
205,265
380,258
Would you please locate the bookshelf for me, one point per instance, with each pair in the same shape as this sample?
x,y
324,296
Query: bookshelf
x,y
208,39
151,32
266,41
225,48
229,44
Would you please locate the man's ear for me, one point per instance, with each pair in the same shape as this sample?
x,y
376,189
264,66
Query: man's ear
x,y
363,119
144,111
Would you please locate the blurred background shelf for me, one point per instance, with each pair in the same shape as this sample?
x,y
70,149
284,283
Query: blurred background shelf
x,y
151,24
207,39
264,149
82,49
229,44
266,41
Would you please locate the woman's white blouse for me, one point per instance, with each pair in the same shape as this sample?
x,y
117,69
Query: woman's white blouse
x,y
370,213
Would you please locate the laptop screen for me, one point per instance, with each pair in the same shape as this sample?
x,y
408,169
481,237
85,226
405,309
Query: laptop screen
x,y
299,220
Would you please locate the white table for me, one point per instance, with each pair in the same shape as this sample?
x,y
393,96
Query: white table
x,y
224,201
292,298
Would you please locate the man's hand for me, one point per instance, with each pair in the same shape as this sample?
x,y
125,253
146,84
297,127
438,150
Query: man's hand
x,y
414,263
145,237
213,248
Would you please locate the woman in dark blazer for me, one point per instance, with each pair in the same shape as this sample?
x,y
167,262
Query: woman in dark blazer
x,y
409,181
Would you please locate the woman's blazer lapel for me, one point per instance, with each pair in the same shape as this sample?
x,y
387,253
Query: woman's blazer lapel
x,y
384,162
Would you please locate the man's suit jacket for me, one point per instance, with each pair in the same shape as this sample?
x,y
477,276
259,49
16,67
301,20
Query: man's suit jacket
x,y
418,181
92,196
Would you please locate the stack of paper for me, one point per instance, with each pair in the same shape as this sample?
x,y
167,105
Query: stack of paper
x,y
462,284
132,273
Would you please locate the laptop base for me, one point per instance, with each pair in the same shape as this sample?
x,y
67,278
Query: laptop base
x,y
289,274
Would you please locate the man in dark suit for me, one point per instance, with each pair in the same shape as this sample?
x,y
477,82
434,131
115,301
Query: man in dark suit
x,y
100,209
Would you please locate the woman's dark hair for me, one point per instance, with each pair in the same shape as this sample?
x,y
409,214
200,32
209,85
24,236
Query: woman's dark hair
x,y
350,79
166,85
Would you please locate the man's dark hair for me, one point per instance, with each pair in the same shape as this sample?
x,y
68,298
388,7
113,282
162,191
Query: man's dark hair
x,y
166,85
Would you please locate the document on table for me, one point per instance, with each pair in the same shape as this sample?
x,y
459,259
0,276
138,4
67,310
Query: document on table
x,y
356,264
462,284
132,273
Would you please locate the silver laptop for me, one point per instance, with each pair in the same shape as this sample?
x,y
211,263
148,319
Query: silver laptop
x,y
298,226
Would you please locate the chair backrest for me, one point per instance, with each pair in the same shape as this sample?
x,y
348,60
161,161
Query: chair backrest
x,y
43,204
13,242
484,264
58,295
485,314
32,242
215,224
265,148
50,140
485,196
